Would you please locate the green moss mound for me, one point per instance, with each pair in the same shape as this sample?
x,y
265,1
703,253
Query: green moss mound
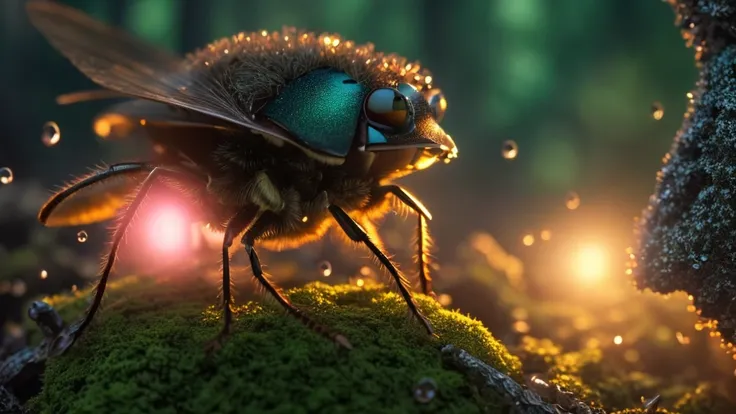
x,y
145,353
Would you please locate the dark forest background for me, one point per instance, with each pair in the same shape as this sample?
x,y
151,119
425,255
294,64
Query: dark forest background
x,y
575,83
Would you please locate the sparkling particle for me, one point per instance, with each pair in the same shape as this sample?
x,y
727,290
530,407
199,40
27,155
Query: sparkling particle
x,y
360,282
82,236
44,274
51,134
572,200
6,175
528,239
425,390
618,340
521,327
510,149
682,339
325,268
444,299
657,111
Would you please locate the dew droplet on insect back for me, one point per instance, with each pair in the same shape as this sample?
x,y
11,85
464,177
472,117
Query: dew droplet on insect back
x,y
82,236
572,200
657,111
325,268
509,149
6,175
425,390
51,134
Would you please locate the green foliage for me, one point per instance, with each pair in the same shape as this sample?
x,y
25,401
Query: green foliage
x,y
146,351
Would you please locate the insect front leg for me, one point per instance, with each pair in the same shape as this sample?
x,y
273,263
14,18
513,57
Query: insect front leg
x,y
424,241
236,225
358,234
76,330
255,264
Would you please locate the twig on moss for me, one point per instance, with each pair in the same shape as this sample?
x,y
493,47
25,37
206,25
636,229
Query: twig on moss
x,y
522,400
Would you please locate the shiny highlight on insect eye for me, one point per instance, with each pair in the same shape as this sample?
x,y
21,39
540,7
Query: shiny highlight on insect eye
x,y
388,110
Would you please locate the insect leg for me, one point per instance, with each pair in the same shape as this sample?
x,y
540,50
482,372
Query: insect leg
x,y
236,225
78,328
424,241
255,264
357,234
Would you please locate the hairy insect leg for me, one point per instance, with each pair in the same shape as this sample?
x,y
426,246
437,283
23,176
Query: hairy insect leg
x,y
255,265
424,240
76,330
357,234
236,225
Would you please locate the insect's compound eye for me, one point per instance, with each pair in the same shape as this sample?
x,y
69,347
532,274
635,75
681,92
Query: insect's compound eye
x,y
389,110
437,103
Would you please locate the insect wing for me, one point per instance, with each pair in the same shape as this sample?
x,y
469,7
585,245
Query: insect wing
x,y
119,62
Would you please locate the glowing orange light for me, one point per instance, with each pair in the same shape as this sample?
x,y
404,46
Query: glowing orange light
x,y
528,240
591,262
169,229
545,235
618,340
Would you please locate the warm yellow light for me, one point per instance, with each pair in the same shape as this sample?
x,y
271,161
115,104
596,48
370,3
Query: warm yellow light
x,y
591,262
618,340
545,235
528,240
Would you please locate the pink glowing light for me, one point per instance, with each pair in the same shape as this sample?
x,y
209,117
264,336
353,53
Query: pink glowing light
x,y
170,230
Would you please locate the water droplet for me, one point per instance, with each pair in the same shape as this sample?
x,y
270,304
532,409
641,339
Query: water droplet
x,y
572,200
425,390
325,268
618,340
360,282
6,175
696,266
510,149
51,134
657,111
44,274
82,236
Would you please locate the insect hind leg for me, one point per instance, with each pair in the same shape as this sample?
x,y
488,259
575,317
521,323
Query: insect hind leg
x,y
358,234
76,329
255,264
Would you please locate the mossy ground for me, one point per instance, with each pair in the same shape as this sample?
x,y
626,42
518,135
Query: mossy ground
x,y
145,354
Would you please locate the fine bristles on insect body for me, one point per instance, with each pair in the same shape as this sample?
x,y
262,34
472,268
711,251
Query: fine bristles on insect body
x,y
262,129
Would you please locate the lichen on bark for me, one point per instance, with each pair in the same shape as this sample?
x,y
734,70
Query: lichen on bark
x,y
686,233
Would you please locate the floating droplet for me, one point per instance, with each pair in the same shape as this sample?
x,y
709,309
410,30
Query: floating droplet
x,y
44,274
360,282
572,200
6,175
528,239
82,236
325,268
510,149
657,111
545,235
425,390
51,134
618,340
305,219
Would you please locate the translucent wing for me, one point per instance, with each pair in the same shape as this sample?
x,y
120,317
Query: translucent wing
x,y
119,62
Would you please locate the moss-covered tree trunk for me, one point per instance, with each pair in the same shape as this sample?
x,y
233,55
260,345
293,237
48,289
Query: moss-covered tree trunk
x,y
687,232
